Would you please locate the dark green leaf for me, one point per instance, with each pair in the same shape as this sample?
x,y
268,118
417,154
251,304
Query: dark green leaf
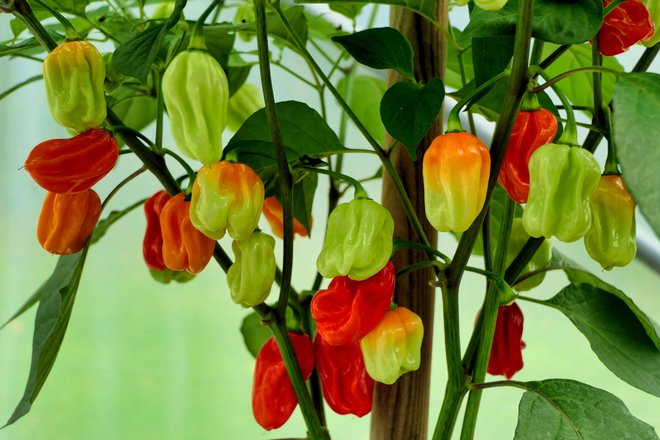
x,y
380,48
364,93
347,9
32,300
560,409
114,216
636,132
236,77
490,56
255,334
303,201
424,7
487,103
408,111
76,7
56,297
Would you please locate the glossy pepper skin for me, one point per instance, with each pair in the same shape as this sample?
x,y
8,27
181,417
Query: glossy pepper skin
x,y
273,212
358,240
455,170
653,7
627,24
490,5
347,310
253,272
540,259
226,197
74,164
562,179
273,397
393,347
611,238
184,247
506,352
531,129
243,103
196,94
67,220
347,387
152,245
74,73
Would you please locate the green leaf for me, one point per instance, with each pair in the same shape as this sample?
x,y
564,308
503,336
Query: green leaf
x,y
303,200
636,132
347,9
560,22
27,305
490,56
364,93
453,77
408,110
489,102
380,48
56,297
136,109
76,7
561,409
424,7
255,334
114,216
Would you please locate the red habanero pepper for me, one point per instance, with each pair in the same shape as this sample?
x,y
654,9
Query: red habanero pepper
x,y
273,397
152,245
73,165
625,25
347,387
67,220
184,247
531,129
273,212
506,352
347,310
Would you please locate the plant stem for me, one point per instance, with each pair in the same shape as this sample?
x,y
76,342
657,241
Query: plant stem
x,y
360,193
70,32
569,135
160,109
15,87
554,56
556,79
119,186
521,260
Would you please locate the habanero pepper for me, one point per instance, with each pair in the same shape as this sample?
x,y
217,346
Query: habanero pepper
x,y
347,310
152,245
75,164
506,352
625,25
67,220
273,397
251,276
272,210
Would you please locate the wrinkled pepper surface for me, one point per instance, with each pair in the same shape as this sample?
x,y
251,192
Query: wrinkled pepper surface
x,y
273,397
243,104
455,170
152,245
611,240
562,179
184,247
67,220
627,24
358,240
540,259
274,214
74,73
506,352
394,346
253,272
347,387
74,164
347,310
226,197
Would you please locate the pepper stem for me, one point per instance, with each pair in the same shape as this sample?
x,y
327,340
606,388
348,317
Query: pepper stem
x,y
197,40
569,136
70,32
191,174
611,165
360,193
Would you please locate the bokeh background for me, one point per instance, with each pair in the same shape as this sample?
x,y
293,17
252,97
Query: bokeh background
x,y
143,360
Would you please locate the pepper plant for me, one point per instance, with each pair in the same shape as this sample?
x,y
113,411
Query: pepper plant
x,y
362,333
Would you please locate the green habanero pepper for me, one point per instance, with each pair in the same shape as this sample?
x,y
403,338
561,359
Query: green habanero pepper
x,y
253,272
242,105
562,179
358,240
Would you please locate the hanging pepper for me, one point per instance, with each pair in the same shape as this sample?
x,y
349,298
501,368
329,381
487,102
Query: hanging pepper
x,y
540,259
611,239
74,73
74,164
226,197
253,272
152,245
273,397
358,240
455,170
393,347
273,212
347,310
625,25
562,179
184,247
531,129
67,220
243,104
653,7
196,95
506,352
347,387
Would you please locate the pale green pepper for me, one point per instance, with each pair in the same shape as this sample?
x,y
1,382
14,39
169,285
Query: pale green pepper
x,y
251,276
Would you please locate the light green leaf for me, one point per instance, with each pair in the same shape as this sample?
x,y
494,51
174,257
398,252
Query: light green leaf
x,y
364,93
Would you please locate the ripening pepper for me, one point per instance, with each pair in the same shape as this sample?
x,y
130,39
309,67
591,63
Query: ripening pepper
x,y
653,7
531,129
67,220
506,352
358,240
273,397
184,247
347,310
273,212
627,24
347,387
74,73
393,347
490,5
196,94
611,239
242,105
226,197
456,168
152,245
253,272
540,259
74,164
562,179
